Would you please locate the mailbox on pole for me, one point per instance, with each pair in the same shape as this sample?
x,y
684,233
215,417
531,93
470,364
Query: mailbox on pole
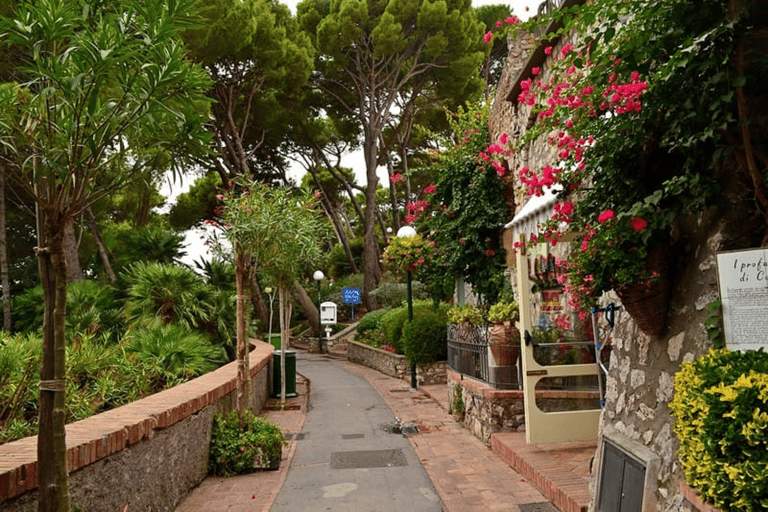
x,y
328,313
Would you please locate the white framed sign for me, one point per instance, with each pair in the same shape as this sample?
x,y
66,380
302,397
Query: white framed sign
x,y
743,280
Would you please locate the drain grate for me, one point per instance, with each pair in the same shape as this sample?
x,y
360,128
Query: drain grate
x,y
297,437
545,506
368,459
399,428
352,436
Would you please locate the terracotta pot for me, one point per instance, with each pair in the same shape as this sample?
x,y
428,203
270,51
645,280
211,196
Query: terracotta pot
x,y
504,343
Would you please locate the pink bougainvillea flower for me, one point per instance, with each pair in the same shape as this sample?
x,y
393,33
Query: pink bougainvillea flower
x,y
503,138
430,189
638,223
548,50
488,36
512,20
535,71
498,24
606,216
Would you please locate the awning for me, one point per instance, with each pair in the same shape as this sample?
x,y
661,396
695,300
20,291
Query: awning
x,y
538,209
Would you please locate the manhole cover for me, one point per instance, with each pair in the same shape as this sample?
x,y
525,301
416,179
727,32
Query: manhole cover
x,y
352,436
537,507
368,459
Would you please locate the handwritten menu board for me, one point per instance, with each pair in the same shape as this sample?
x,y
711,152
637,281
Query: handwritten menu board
x,y
743,280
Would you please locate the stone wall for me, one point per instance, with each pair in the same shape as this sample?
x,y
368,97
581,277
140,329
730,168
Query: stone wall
x,y
395,365
145,455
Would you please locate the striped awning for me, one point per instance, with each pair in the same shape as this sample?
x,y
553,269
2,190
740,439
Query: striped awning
x,y
537,210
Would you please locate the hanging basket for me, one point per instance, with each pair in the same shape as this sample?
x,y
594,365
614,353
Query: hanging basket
x,y
647,302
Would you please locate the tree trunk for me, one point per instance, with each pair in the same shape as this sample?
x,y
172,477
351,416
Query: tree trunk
x,y
257,300
53,479
69,251
5,281
102,248
370,252
242,277
307,305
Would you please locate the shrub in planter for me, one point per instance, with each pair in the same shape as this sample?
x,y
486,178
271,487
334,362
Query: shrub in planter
x,y
371,321
424,339
242,443
721,412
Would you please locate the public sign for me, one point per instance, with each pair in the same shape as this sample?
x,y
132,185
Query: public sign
x,y
328,313
351,295
743,280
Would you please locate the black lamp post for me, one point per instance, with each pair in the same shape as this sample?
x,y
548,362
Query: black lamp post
x,y
319,276
409,232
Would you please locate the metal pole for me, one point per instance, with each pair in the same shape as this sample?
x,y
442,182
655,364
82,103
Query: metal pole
x,y
319,330
414,383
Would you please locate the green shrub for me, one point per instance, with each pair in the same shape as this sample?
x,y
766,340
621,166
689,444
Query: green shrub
x,y
425,339
391,325
236,441
371,321
19,375
721,412
466,314
171,354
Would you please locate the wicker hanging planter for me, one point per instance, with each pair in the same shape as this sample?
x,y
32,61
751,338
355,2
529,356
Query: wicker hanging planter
x,y
647,302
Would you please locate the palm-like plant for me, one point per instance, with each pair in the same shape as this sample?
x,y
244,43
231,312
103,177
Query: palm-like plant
x,y
169,292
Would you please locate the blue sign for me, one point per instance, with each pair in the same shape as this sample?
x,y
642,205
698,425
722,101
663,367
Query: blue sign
x,y
352,295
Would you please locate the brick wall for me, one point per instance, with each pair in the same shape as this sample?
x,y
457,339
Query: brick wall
x,y
145,455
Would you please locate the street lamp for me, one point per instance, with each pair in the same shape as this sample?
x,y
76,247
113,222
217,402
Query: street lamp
x,y
409,232
318,276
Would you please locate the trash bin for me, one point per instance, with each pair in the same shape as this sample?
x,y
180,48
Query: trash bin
x,y
290,373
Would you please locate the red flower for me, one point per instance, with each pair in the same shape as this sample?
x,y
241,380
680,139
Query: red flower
x,y
488,36
548,50
430,189
638,223
606,216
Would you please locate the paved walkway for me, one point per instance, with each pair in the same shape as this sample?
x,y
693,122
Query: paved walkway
x,y
468,475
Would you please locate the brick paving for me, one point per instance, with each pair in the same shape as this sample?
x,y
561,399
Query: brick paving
x,y
467,475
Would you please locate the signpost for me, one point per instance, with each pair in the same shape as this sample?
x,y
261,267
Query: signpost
x,y
743,281
352,296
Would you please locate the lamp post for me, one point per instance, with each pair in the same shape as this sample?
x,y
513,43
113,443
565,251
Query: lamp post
x,y
318,276
409,232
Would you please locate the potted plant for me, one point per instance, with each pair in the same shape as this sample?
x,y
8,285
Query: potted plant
x,y
503,334
242,442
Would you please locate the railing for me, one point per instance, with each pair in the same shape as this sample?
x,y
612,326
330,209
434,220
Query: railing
x,y
468,350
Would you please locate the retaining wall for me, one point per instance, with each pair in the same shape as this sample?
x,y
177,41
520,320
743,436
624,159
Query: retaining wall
x,y
145,455
395,365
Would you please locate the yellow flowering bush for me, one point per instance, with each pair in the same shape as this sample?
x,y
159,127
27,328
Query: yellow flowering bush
x,y
721,412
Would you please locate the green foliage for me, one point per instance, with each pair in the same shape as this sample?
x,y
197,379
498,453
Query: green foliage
x,y
171,354
424,339
407,254
199,203
721,412
337,262
714,324
457,403
392,294
391,325
466,314
19,374
169,292
237,439
467,228
503,311
371,321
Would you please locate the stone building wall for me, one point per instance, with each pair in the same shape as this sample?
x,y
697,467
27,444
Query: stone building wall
x,y
640,383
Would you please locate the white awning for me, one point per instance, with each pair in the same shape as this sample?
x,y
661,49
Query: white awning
x,y
537,210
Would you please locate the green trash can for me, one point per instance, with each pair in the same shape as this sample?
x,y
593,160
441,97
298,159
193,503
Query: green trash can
x,y
290,373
